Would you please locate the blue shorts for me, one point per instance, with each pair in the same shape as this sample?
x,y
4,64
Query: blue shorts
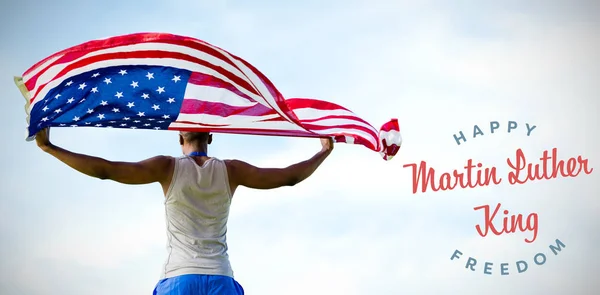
x,y
198,285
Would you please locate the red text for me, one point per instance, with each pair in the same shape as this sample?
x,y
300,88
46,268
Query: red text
x,y
471,177
550,167
510,224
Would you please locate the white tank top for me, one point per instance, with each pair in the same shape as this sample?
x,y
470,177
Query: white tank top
x,y
197,207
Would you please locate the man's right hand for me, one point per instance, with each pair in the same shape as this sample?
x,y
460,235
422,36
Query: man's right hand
x,y
327,144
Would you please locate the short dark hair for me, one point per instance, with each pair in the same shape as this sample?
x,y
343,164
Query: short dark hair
x,y
194,137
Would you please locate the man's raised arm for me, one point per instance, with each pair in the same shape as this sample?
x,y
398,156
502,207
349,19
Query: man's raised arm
x,y
244,174
156,169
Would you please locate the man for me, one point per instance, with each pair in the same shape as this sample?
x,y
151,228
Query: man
x,y
198,191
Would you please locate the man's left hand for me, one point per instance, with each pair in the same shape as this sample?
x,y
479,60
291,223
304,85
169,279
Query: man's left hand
x,y
42,138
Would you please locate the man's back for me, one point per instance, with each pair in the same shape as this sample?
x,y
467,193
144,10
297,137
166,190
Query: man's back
x,y
197,208
198,192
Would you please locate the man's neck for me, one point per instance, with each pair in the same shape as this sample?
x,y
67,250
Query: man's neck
x,y
190,149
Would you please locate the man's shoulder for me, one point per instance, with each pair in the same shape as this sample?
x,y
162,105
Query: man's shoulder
x,y
163,158
235,166
160,161
233,162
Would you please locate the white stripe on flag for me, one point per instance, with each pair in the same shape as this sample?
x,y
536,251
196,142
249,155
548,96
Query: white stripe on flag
x,y
215,94
311,114
338,122
233,120
347,131
270,125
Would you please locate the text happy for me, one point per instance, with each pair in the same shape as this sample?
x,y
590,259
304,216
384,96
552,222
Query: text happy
x,y
494,126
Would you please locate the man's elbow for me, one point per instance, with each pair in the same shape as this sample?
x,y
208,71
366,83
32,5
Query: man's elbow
x,y
101,172
102,175
292,181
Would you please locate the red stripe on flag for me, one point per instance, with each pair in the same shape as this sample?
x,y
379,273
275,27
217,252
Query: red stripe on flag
x,y
208,80
202,124
346,117
391,125
252,131
300,103
194,106
341,126
276,119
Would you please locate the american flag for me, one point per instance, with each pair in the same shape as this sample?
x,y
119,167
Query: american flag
x,y
168,82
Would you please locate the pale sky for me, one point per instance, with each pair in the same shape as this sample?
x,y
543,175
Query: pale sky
x,y
354,227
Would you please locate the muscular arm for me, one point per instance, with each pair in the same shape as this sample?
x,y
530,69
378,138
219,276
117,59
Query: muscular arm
x,y
156,169
244,174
